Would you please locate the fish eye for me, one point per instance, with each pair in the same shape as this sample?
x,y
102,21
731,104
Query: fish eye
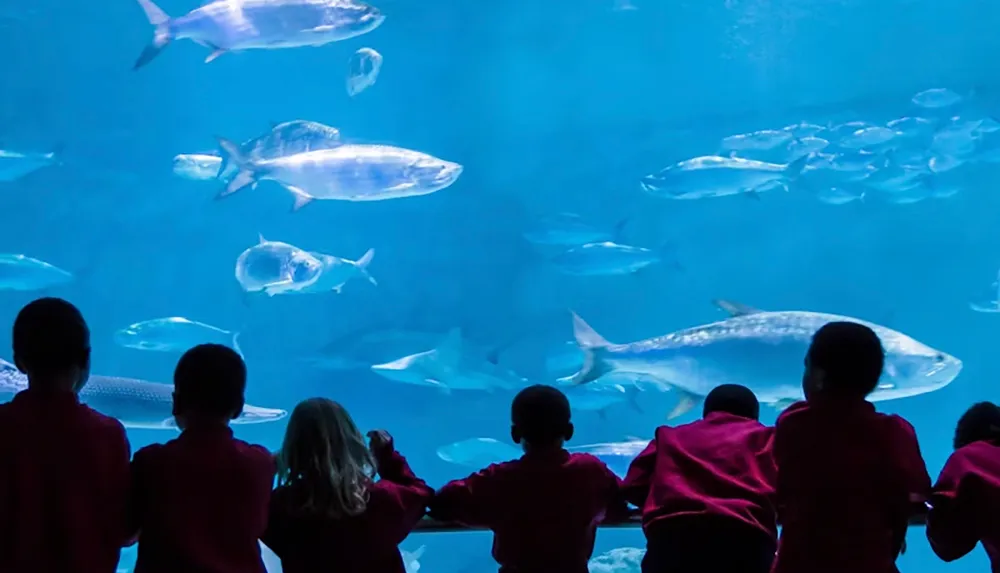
x,y
939,358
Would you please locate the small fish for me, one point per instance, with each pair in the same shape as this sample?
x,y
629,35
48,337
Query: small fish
x,y
411,559
798,148
869,138
478,452
347,172
957,138
448,367
895,179
936,98
229,26
944,163
336,272
276,268
197,166
841,195
23,273
568,230
909,196
720,176
174,334
362,70
991,306
757,141
840,131
607,258
15,164
911,126
135,403
760,350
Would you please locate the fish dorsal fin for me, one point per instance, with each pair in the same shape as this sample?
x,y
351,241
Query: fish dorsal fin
x,y
735,308
449,352
260,239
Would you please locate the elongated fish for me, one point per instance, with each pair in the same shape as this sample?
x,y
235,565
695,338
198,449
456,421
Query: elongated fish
x,y
23,273
607,258
15,164
760,350
135,403
174,334
347,172
715,176
232,25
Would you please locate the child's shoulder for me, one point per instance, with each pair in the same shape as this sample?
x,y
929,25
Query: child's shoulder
x,y
257,455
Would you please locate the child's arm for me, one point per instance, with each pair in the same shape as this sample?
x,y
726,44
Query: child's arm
x,y
136,497
617,505
639,478
406,496
470,501
914,478
121,476
951,522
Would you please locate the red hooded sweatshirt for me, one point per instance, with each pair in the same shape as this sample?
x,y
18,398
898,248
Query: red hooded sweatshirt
x,y
966,501
365,543
720,466
848,477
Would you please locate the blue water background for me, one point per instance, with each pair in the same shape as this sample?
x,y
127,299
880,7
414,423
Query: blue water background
x,y
551,106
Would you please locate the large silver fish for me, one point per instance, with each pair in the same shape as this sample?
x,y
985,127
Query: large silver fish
x,y
349,172
232,25
135,403
288,138
760,350
23,273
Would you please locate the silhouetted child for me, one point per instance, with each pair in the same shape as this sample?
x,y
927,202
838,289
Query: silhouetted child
x,y
64,475
328,512
543,508
706,490
966,499
200,500
848,477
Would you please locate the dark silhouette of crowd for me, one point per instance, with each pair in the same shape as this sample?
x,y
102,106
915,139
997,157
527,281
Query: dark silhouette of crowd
x,y
842,480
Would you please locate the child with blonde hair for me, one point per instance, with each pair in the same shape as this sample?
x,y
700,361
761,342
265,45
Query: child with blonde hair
x,y
328,511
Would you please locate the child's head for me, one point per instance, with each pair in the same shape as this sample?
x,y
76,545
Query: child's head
x,y
844,359
325,455
732,399
52,345
979,422
540,418
209,383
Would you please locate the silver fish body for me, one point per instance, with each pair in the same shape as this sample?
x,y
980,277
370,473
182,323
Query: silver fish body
x,y
715,176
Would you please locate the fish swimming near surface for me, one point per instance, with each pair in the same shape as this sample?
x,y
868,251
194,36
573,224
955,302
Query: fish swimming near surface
x,y
234,25
348,172
174,334
197,166
288,138
135,403
760,350
336,272
448,367
715,176
15,164
23,273
275,268
607,258
478,452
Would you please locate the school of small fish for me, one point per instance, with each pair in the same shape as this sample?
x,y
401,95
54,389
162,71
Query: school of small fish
x,y
920,154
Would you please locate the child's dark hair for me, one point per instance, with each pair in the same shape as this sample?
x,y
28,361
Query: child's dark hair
x,y
850,356
210,380
540,416
50,337
732,399
980,422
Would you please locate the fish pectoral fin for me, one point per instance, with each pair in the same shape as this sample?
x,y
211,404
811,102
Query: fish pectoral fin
x,y
301,197
440,386
215,54
735,308
402,186
685,403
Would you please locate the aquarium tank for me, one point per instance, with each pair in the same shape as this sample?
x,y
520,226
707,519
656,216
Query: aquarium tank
x,y
418,208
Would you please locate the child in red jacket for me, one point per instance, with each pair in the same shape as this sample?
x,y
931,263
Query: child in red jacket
x,y
328,512
543,508
64,474
966,499
200,500
706,490
848,477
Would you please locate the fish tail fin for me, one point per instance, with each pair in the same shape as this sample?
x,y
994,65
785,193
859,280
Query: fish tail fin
x,y
595,350
236,345
161,33
362,264
245,177
795,168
